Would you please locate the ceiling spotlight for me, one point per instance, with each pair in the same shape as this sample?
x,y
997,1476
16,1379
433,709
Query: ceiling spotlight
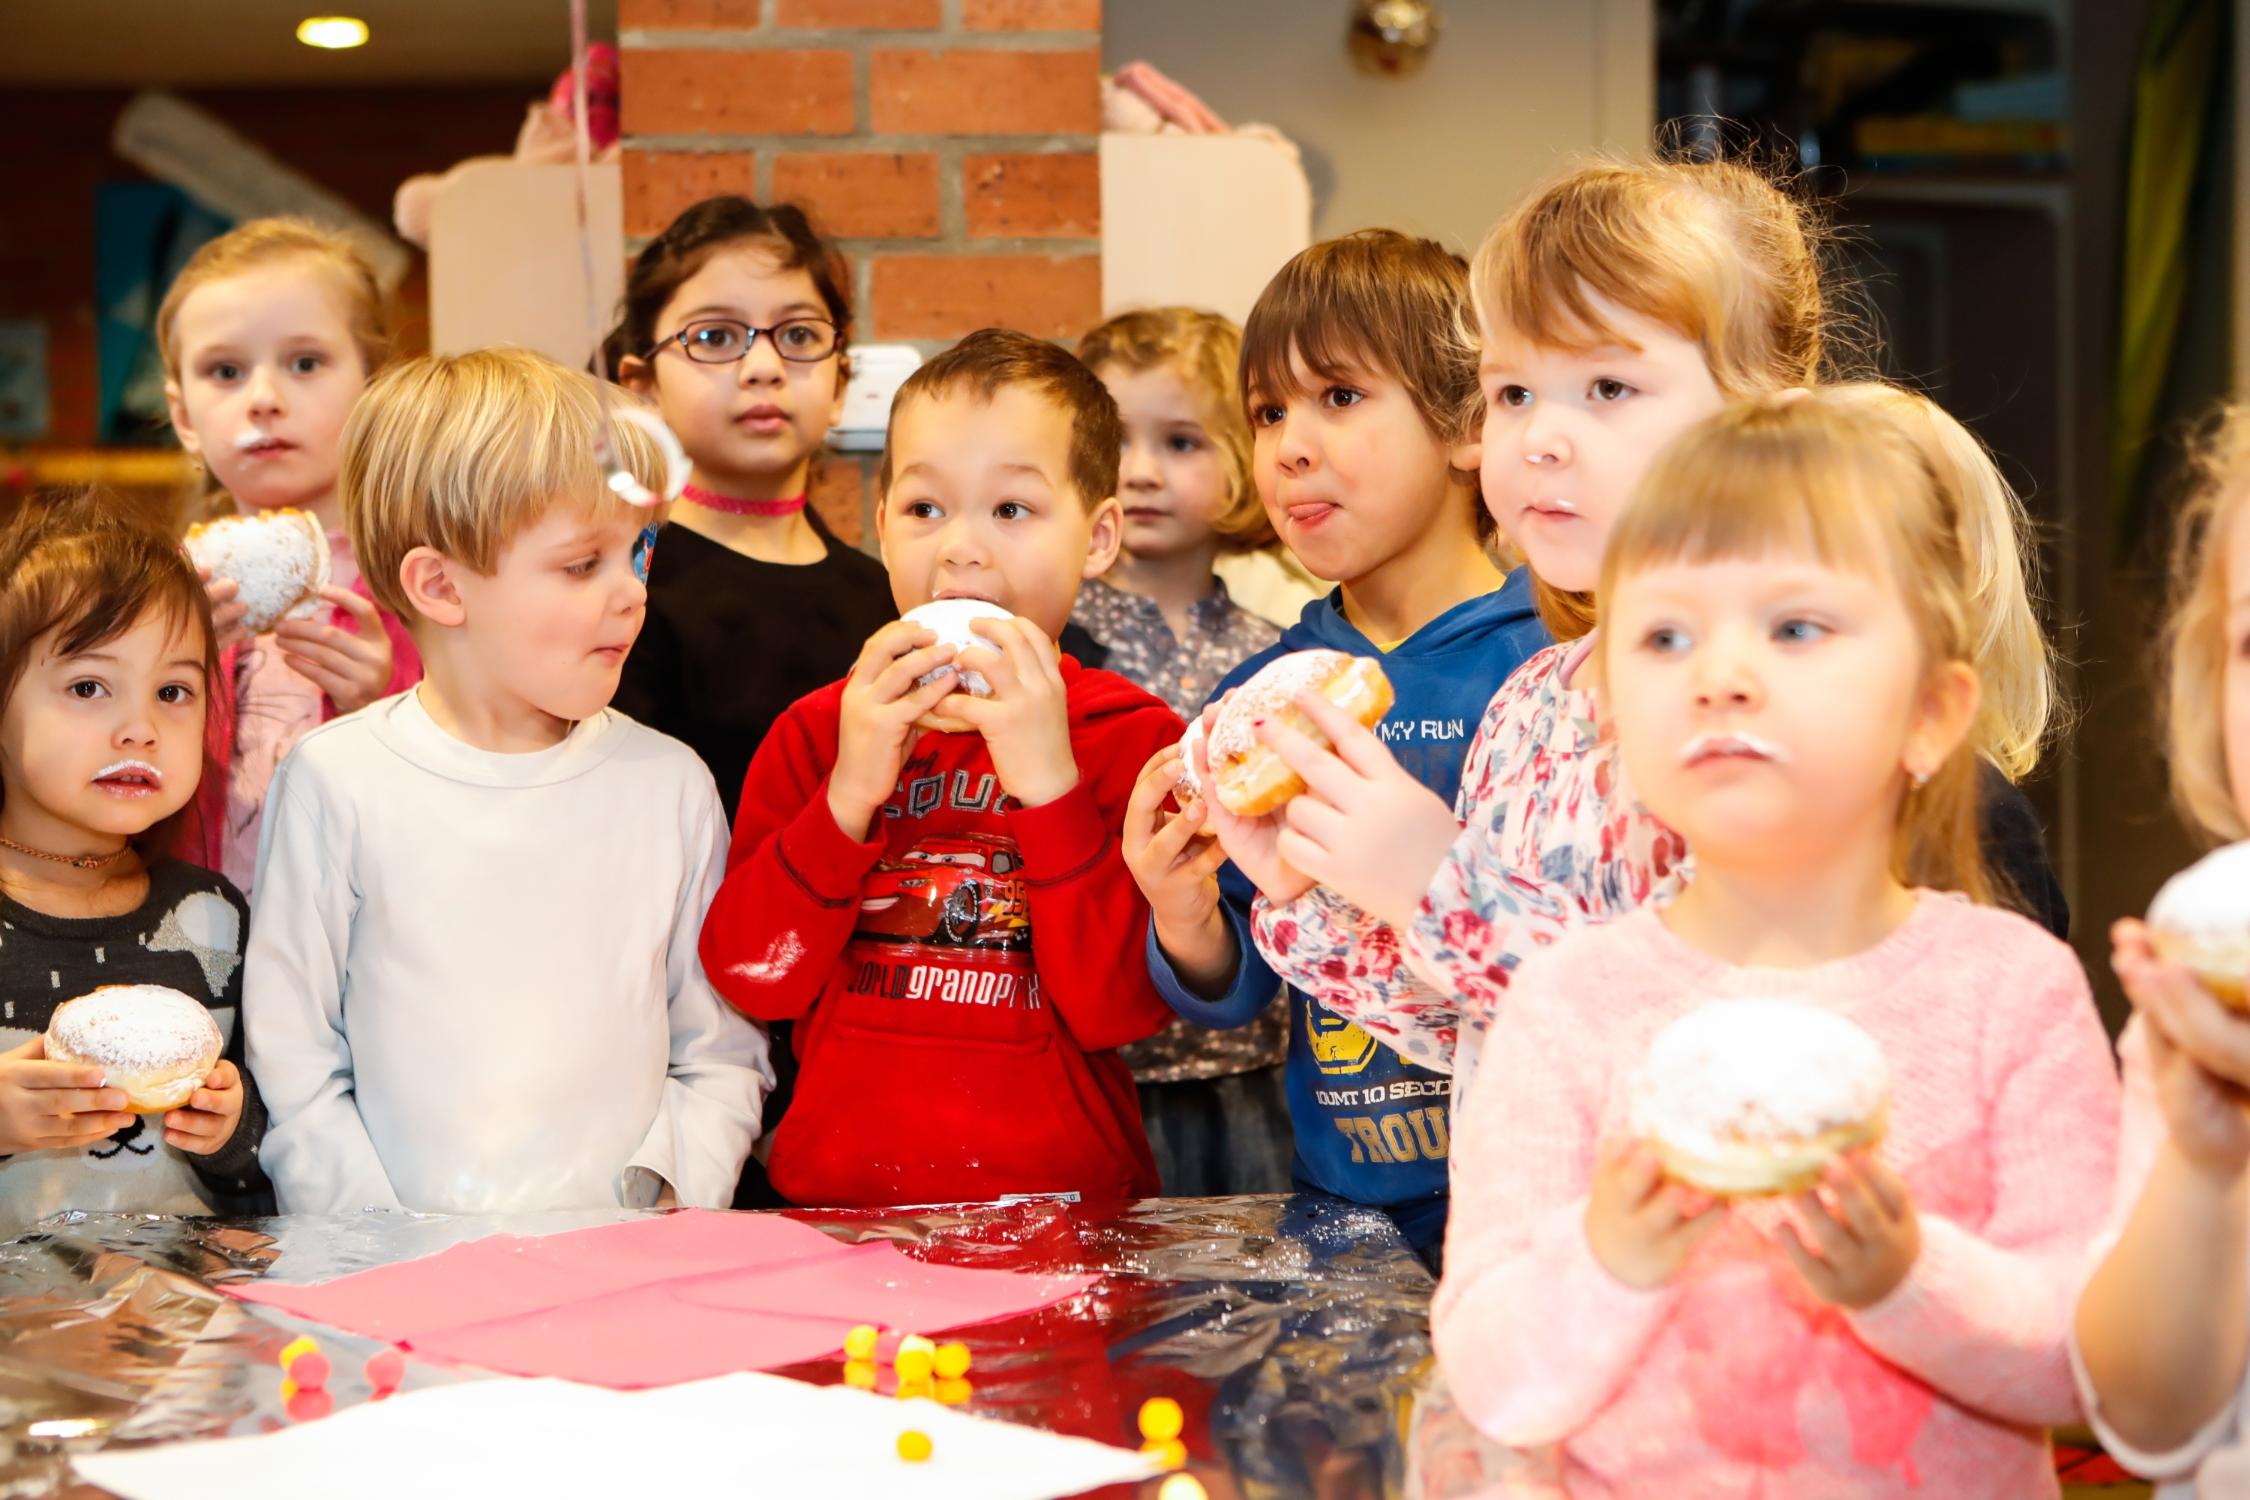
x,y
332,32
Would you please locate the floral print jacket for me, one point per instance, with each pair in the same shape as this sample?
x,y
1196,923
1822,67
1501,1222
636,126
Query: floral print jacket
x,y
1551,839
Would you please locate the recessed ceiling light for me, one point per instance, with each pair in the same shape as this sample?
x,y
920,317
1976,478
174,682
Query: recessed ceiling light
x,y
332,32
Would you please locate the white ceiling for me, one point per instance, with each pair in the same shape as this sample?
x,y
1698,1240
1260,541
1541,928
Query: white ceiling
x,y
216,43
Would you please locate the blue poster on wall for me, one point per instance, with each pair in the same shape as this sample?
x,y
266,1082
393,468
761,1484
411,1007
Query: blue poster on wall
x,y
143,233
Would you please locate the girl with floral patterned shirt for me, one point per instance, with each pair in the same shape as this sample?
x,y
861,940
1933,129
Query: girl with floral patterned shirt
x,y
1612,317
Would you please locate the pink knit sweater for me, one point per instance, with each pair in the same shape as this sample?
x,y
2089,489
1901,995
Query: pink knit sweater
x,y
1734,1380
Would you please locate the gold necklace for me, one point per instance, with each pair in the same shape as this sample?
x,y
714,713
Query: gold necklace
x,y
75,861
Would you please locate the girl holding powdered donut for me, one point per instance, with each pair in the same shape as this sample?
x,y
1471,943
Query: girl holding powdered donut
x,y
105,662
1657,1296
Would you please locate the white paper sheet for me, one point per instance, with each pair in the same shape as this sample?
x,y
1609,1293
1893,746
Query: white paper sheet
x,y
739,1434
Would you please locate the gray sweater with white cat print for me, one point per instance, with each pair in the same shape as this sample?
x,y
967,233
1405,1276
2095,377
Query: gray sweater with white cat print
x,y
188,935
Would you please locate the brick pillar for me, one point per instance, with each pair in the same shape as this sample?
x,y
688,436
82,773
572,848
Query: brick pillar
x,y
946,146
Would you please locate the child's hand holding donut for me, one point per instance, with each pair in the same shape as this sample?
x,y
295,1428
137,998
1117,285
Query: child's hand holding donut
x,y
1865,1231
1026,719
880,705
1175,862
1363,827
353,667
1252,843
2199,1053
52,1106
1641,1225
227,609
208,1120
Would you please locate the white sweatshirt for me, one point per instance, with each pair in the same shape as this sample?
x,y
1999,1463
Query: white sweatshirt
x,y
472,984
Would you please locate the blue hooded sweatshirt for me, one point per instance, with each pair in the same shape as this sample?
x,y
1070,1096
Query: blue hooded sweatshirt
x,y
1370,1126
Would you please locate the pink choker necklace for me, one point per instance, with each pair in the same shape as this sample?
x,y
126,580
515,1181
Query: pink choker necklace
x,y
713,500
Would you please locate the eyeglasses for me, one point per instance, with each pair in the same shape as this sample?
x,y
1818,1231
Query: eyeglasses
x,y
722,341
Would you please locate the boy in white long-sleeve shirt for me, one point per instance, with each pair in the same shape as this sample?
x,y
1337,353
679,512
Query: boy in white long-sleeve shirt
x,y
472,982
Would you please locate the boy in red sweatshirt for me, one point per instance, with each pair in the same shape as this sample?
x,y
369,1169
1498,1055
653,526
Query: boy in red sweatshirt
x,y
929,882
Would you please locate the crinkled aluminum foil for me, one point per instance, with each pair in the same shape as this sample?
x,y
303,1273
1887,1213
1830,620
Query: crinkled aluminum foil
x,y
1294,1330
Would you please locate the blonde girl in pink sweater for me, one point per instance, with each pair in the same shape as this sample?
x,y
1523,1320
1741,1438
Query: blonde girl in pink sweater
x,y
2164,1324
1787,650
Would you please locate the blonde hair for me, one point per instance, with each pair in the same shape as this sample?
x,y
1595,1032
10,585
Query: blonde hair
x,y
1830,473
2008,645
1203,349
2195,631
264,242
1716,251
462,452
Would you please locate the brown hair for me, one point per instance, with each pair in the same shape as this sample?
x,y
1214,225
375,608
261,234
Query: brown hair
x,y
461,452
1380,300
1716,251
1204,350
993,358
2195,641
262,242
1857,489
686,246
87,567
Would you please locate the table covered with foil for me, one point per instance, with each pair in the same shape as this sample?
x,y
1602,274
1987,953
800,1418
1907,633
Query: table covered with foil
x,y
1294,1331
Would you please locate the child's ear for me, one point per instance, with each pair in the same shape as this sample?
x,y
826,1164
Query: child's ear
x,y
176,405
427,576
1105,535
1943,719
1468,457
634,374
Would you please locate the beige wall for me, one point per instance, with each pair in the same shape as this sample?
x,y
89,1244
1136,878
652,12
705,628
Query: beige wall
x,y
1512,87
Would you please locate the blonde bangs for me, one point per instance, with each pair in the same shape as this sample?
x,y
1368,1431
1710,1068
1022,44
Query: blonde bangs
x,y
1204,351
461,453
1748,489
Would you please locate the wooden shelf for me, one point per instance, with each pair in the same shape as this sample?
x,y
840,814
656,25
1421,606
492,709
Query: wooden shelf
x,y
123,468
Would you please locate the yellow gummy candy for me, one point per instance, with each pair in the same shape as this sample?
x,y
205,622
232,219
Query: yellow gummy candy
x,y
860,1342
952,1361
916,1341
914,1447
954,1392
859,1374
1161,1419
1168,1455
914,1365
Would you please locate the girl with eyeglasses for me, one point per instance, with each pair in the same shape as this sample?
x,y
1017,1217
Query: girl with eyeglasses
x,y
734,324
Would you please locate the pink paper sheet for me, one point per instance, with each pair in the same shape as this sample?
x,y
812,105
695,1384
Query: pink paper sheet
x,y
656,1301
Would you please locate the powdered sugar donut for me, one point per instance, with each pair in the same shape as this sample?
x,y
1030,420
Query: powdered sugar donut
x,y
156,1044
1191,783
950,620
1252,780
280,559
1744,1097
2201,921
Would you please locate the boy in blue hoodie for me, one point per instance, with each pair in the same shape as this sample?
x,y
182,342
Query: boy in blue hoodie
x,y
1363,401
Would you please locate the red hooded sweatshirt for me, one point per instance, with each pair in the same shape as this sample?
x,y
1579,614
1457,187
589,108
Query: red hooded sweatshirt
x,y
962,979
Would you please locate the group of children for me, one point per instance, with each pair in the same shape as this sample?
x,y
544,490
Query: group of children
x,y
567,838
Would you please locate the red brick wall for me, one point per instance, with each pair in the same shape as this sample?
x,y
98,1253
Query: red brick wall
x,y
947,146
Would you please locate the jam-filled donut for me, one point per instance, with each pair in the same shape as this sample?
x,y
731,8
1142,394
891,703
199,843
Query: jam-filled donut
x,y
1250,780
